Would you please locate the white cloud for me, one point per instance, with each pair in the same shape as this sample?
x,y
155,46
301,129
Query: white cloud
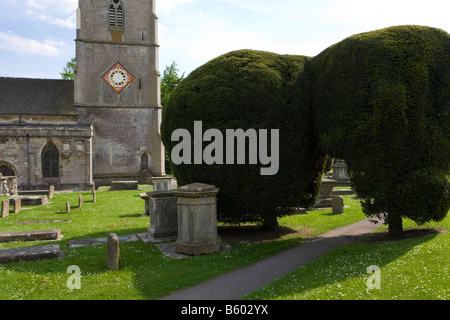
x,y
55,12
167,5
24,46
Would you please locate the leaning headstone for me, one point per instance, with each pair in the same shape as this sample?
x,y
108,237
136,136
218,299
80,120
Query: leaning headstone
x,y
68,207
197,220
80,201
113,251
5,208
337,205
324,199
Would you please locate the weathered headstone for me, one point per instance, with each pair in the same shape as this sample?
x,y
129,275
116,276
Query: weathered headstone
x,y
80,201
324,200
16,202
163,215
5,208
161,183
146,198
337,205
51,191
94,196
197,220
123,185
68,207
113,251
340,172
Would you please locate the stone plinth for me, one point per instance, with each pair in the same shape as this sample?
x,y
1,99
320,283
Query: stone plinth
x,y
324,200
16,202
123,185
146,198
161,183
340,172
31,235
29,253
197,220
33,200
163,215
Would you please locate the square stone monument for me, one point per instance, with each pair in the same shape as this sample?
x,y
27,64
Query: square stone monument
x,y
197,220
163,215
161,183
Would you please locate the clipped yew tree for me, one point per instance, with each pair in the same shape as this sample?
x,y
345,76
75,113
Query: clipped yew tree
x,y
382,103
248,90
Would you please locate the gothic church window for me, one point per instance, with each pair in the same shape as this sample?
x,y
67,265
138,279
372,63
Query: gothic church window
x,y
116,14
50,161
144,161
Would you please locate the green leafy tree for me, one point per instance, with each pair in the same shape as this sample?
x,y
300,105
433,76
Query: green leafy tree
x,y
170,80
382,103
249,89
68,71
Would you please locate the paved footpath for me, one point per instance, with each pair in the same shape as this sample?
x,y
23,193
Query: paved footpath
x,y
236,284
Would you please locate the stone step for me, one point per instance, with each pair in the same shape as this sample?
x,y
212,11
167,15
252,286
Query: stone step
x,y
29,253
31,235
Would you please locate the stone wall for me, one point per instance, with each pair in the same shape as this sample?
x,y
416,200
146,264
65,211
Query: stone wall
x,y
74,143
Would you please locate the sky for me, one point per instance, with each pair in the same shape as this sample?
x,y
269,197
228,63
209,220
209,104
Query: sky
x,y
37,36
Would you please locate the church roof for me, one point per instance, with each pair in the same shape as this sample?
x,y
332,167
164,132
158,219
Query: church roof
x,y
36,96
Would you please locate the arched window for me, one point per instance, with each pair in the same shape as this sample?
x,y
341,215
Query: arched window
x,y
50,161
144,161
116,14
6,170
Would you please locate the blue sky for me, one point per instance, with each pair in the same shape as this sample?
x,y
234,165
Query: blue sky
x,y
37,36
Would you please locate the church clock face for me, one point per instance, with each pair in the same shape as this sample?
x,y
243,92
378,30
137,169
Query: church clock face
x,y
118,77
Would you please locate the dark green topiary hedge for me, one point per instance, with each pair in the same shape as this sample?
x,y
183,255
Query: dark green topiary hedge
x,y
382,102
249,90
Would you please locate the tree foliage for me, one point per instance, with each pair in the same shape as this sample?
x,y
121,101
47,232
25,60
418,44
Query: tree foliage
x,y
170,80
249,89
382,103
68,71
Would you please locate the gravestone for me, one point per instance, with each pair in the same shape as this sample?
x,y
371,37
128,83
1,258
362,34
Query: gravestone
x,y
51,192
16,202
123,185
113,251
197,220
324,200
163,215
33,200
5,208
337,205
340,172
67,206
161,183
146,198
80,201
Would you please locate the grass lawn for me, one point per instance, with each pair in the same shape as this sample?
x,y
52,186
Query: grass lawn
x,y
410,269
145,273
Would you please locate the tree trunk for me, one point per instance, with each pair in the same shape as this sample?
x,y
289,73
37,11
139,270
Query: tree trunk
x,y
270,224
395,225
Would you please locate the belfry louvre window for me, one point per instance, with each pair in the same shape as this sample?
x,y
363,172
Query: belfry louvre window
x,y
50,161
116,14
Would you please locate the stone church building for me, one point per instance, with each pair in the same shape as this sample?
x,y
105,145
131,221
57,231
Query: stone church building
x,y
104,125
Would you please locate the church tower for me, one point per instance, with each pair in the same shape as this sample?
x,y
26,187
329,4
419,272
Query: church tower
x,y
117,87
